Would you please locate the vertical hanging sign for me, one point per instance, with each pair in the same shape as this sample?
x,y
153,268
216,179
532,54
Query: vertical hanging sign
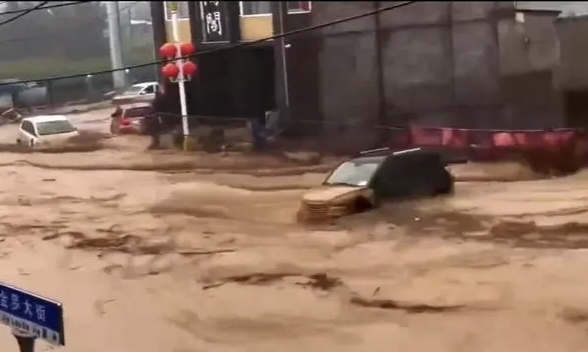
x,y
214,21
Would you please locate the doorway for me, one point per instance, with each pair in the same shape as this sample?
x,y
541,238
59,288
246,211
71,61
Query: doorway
x,y
255,81
576,108
236,83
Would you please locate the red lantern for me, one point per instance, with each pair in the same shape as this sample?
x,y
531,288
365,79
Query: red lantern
x,y
170,70
168,50
187,49
189,68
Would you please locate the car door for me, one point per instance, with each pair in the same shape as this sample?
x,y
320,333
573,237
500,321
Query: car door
x,y
388,182
423,172
437,178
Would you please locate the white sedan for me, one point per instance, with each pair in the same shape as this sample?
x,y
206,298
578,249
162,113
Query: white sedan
x,y
138,92
45,130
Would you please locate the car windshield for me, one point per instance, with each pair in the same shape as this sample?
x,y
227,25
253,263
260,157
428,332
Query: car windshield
x,y
54,127
139,111
354,173
134,90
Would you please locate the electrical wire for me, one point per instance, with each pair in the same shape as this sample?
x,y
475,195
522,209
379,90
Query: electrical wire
x,y
47,35
23,13
41,7
231,47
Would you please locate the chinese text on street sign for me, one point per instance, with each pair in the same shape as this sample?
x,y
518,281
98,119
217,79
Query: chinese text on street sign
x,y
31,314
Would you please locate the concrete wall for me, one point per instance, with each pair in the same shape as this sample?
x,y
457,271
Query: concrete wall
x,y
529,57
440,63
347,73
528,43
573,37
568,8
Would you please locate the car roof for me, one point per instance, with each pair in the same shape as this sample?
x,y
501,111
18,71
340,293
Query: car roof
x,y
135,105
143,84
46,118
370,159
383,154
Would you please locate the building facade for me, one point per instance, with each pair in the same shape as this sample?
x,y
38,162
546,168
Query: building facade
x,y
458,64
232,82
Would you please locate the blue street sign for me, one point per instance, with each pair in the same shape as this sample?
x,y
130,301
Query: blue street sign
x,y
31,314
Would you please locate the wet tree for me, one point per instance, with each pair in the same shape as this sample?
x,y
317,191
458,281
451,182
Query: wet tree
x,y
71,32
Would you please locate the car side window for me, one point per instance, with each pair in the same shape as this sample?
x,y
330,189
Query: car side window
x,y
149,90
28,127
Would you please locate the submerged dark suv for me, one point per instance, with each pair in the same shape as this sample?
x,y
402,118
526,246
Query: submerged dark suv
x,y
375,176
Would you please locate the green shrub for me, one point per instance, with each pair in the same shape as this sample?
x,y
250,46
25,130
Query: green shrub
x,y
46,67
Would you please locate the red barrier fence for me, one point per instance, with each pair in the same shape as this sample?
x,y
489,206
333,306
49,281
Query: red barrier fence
x,y
557,150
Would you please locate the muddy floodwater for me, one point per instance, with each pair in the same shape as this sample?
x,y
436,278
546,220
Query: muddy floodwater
x,y
204,259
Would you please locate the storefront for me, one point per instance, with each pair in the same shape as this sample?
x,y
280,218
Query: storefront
x,y
232,82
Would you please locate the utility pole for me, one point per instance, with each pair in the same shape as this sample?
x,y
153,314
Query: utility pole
x,y
283,12
114,40
280,15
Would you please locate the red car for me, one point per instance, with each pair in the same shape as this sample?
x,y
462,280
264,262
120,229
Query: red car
x,y
130,119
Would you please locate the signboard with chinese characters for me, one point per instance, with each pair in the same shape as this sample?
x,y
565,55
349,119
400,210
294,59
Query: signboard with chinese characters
x,y
32,315
214,21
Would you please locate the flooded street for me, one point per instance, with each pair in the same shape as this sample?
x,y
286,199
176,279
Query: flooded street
x,y
151,261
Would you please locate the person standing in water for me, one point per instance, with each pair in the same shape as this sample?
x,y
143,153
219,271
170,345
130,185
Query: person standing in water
x,y
153,121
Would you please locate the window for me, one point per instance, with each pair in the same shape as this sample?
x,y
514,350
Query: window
x,y
252,8
149,90
141,111
298,6
55,127
183,13
357,172
28,127
134,90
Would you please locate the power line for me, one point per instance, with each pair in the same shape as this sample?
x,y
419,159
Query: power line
x,y
24,13
47,35
236,46
40,7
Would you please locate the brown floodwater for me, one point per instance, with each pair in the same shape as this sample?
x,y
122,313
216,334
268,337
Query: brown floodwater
x,y
149,260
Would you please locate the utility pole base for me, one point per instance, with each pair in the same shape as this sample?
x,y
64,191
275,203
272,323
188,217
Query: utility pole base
x,y
189,144
25,344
